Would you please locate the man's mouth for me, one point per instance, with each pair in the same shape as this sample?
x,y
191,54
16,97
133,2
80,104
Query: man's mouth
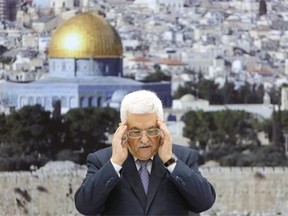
x,y
144,146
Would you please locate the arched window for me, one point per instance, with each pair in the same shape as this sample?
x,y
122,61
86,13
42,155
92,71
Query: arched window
x,y
72,102
47,102
99,102
54,99
30,101
23,101
83,102
64,102
39,101
63,66
90,102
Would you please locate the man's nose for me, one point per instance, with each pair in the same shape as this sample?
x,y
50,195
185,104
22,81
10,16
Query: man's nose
x,y
144,138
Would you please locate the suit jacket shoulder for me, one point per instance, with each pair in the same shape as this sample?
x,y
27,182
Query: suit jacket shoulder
x,y
102,156
185,153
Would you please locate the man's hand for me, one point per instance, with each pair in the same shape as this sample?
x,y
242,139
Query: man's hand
x,y
119,145
165,146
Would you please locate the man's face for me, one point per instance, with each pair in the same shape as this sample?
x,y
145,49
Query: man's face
x,y
143,147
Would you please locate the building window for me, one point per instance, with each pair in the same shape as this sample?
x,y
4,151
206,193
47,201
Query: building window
x,y
99,102
63,66
30,101
39,101
83,102
72,102
64,102
23,102
47,102
90,102
54,99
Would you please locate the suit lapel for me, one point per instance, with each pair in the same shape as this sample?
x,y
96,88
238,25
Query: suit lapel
x,y
157,174
130,173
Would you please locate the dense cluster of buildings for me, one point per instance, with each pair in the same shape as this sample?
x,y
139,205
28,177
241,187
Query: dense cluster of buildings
x,y
224,40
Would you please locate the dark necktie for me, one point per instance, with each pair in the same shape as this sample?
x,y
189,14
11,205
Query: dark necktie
x,y
144,174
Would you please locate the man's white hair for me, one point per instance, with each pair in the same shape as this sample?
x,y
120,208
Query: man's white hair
x,y
141,102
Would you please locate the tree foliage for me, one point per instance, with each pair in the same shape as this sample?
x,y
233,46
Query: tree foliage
x,y
87,128
219,128
27,140
157,76
230,137
33,136
228,94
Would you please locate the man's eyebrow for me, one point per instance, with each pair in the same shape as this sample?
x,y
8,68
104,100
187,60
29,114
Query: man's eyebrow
x,y
135,128
152,127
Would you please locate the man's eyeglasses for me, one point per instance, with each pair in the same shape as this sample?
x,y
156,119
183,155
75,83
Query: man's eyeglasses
x,y
138,133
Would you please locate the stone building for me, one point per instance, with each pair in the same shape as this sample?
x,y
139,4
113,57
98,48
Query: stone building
x,y
85,70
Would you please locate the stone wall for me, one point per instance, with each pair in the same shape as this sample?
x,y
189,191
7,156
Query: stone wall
x,y
254,190
49,190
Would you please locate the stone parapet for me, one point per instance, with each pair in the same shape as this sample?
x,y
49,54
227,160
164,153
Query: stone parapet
x,y
255,190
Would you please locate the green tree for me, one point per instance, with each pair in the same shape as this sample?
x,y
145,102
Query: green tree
x,y
221,128
7,60
183,90
198,127
3,128
57,132
277,133
157,76
284,120
228,93
28,139
209,90
88,128
275,96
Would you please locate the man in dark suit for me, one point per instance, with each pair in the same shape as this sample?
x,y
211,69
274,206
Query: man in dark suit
x,y
143,173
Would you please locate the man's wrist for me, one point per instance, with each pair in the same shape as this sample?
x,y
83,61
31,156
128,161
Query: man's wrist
x,y
173,159
116,167
116,161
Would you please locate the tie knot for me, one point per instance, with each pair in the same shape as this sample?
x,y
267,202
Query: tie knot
x,y
143,162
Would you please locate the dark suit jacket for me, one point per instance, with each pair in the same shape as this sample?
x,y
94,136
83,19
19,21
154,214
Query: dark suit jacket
x,y
103,192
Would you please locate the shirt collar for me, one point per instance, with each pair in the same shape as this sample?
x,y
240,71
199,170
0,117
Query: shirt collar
x,y
135,159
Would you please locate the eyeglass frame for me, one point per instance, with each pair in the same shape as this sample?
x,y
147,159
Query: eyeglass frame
x,y
144,131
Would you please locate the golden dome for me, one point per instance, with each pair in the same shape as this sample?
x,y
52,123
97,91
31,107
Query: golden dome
x,y
85,35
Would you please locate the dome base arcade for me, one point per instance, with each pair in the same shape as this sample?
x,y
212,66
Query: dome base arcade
x,y
85,67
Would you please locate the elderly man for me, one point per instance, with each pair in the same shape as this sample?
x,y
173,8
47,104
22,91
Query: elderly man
x,y
143,173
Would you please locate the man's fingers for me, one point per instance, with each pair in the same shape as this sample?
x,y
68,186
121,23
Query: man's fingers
x,y
165,135
163,127
122,130
120,136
